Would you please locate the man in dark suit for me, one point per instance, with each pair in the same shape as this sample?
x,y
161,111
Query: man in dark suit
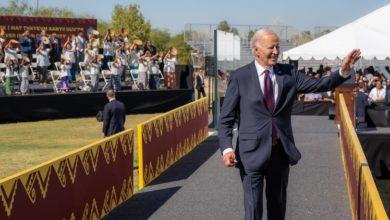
x,y
260,96
200,84
114,115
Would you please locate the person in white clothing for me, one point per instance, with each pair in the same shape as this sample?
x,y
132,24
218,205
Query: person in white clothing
x,y
43,62
116,68
108,49
89,54
65,74
70,54
23,72
9,75
377,93
169,69
95,71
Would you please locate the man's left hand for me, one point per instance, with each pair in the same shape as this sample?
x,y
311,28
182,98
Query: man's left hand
x,y
350,60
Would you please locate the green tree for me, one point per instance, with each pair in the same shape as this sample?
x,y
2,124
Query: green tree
x,y
327,31
160,39
21,7
131,18
234,31
224,26
184,50
303,37
16,7
250,34
103,27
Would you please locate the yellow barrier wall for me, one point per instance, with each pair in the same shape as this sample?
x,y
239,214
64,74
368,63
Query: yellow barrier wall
x,y
365,200
165,139
84,184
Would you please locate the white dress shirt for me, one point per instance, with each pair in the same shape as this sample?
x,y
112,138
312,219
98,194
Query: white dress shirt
x,y
261,75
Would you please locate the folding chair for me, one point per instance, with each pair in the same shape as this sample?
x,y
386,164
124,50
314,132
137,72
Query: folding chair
x,y
56,77
134,77
85,74
156,70
106,75
33,68
2,72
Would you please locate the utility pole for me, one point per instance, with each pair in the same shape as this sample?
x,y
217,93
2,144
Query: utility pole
x,y
216,96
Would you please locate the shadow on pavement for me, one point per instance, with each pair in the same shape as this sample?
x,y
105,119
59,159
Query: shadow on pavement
x,y
188,164
141,205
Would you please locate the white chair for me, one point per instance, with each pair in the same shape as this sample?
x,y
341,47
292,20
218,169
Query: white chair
x,y
156,70
107,74
2,76
85,74
2,72
33,68
134,77
56,77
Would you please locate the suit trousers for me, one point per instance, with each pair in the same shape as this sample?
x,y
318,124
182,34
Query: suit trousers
x,y
276,178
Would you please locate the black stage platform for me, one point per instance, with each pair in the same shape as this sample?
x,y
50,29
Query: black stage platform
x,y
376,146
84,104
313,108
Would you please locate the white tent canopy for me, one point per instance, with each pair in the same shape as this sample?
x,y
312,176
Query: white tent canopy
x,y
370,33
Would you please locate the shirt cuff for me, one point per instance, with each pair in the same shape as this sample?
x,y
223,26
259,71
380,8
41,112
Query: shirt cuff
x,y
352,71
227,150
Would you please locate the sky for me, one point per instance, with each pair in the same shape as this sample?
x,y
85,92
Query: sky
x,y
172,15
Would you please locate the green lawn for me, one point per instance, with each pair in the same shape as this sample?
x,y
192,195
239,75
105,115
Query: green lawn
x,y
27,144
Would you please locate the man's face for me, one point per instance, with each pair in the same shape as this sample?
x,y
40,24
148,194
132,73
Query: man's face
x,y
267,50
378,84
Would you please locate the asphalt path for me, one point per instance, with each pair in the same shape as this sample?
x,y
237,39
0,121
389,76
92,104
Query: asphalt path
x,y
199,187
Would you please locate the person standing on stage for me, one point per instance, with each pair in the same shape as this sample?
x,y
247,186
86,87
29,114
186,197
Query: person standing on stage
x,y
259,98
80,46
27,45
95,71
23,72
169,69
70,53
200,84
2,42
114,115
65,74
43,61
55,53
9,75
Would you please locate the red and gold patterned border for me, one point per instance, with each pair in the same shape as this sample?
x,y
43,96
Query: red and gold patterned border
x,y
165,139
84,184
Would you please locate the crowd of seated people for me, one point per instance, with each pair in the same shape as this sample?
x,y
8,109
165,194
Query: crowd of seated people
x,y
317,97
89,55
369,81
373,84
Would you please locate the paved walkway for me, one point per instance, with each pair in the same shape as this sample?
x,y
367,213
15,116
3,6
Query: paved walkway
x,y
200,187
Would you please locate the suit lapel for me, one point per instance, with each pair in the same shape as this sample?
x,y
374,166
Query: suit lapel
x,y
255,80
279,79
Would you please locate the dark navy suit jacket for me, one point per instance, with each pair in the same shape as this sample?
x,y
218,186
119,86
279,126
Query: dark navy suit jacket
x,y
114,116
244,103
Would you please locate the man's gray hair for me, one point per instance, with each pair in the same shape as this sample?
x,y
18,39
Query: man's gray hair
x,y
258,36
